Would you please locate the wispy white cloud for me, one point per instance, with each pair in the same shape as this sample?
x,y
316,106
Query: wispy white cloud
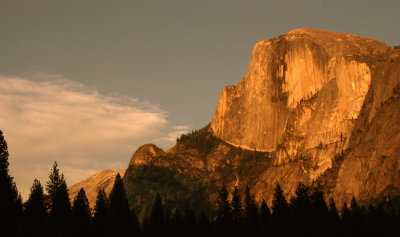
x,y
85,131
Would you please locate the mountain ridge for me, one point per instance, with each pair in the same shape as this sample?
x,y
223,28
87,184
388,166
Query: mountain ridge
x,y
316,107
101,180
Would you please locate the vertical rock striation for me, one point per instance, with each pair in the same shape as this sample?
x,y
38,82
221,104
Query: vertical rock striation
x,y
301,96
311,95
371,168
317,107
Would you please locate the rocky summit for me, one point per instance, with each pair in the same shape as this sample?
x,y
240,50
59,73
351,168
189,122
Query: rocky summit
x,y
315,106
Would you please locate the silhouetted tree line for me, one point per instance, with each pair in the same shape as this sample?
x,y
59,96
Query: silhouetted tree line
x,y
237,213
52,214
305,214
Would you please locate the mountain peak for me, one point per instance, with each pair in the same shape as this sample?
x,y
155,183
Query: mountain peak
x,y
144,154
317,107
287,70
103,179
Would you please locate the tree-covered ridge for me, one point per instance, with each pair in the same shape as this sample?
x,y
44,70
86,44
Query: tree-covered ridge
x,y
202,140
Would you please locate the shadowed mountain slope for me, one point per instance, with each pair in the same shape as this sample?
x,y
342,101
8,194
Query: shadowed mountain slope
x,y
315,106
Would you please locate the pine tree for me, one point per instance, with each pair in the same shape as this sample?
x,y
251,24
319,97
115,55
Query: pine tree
x,y
333,212
35,212
100,217
265,213
10,201
280,209
319,214
318,203
250,206
157,218
19,211
60,206
80,215
120,213
236,205
265,219
279,203
356,217
345,213
300,203
224,213
251,217
346,220
301,210
355,209
333,218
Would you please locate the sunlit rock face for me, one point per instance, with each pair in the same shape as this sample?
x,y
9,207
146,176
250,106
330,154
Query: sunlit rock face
x,y
103,179
371,168
309,95
144,154
316,107
301,96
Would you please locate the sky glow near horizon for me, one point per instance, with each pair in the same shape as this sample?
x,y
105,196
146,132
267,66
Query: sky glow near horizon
x,y
83,130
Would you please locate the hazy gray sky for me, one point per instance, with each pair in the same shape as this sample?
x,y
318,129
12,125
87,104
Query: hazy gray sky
x,y
162,60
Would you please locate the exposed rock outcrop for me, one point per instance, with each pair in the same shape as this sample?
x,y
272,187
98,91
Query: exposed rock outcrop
x,y
317,107
371,167
302,90
309,95
145,154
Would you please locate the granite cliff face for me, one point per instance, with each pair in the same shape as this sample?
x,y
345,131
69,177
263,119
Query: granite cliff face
x,y
317,107
302,90
310,95
371,167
